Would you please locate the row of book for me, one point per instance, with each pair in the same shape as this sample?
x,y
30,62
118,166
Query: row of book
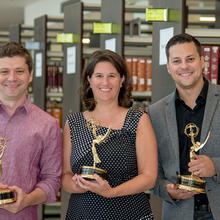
x,y
140,69
54,79
211,58
55,109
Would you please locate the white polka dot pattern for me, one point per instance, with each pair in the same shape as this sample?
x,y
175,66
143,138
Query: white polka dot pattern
x,y
118,157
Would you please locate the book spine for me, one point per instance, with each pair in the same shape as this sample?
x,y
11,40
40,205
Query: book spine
x,y
128,61
55,78
214,64
206,53
141,78
149,74
49,78
134,73
60,78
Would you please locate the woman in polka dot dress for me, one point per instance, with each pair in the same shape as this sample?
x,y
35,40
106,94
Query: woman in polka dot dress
x,y
129,154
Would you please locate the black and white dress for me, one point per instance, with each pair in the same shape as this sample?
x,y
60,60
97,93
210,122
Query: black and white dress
x,y
118,158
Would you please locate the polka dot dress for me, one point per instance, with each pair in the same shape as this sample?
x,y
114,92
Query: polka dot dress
x,y
118,158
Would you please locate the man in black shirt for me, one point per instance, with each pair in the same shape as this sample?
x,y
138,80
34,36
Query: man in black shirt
x,y
196,101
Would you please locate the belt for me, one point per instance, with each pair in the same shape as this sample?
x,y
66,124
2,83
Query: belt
x,y
203,207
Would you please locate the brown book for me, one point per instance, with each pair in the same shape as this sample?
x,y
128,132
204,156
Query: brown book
x,y
57,113
128,61
206,53
141,78
214,64
60,78
49,80
49,108
134,73
149,74
55,78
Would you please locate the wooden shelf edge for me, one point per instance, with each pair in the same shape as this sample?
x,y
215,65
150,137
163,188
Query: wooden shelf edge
x,y
141,94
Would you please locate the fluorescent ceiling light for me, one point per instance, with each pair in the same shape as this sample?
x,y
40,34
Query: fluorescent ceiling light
x,y
85,40
207,18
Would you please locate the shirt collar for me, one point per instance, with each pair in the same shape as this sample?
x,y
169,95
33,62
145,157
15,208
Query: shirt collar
x,y
26,106
202,96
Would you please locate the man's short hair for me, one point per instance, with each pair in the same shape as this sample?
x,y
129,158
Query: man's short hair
x,y
12,49
181,39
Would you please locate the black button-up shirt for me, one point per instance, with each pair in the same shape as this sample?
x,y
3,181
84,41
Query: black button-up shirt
x,y
186,115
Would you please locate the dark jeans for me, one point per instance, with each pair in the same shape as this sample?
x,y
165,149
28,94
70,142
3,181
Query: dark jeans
x,y
203,215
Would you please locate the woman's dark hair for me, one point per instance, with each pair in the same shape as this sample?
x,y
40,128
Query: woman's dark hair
x,y
12,49
124,98
181,39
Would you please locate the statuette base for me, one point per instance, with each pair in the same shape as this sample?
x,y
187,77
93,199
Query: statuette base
x,y
87,172
6,196
191,183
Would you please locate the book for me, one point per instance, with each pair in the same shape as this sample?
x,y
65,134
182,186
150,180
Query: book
x,y
149,74
214,64
134,73
206,53
54,78
60,78
128,61
141,76
49,78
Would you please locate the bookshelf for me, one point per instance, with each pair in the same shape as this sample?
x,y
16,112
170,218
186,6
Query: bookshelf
x,y
198,9
43,97
205,36
132,45
138,54
209,35
48,77
20,33
160,77
209,39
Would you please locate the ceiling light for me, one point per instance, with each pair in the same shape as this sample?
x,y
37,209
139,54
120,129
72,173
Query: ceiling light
x,y
207,18
85,40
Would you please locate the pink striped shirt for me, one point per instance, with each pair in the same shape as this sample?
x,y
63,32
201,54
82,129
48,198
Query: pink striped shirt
x,y
32,158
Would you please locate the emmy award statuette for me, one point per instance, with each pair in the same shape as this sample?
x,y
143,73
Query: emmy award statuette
x,y
6,195
192,182
87,172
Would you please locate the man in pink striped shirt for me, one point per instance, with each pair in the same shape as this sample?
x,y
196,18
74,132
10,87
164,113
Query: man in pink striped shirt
x,y
31,161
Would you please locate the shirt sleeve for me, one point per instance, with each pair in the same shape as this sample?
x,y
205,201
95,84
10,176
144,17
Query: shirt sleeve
x,y
49,179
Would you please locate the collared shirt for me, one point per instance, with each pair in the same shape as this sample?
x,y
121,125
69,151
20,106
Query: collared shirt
x,y
32,158
186,115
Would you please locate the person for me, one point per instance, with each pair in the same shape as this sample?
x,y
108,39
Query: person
x,y
32,159
195,100
129,153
